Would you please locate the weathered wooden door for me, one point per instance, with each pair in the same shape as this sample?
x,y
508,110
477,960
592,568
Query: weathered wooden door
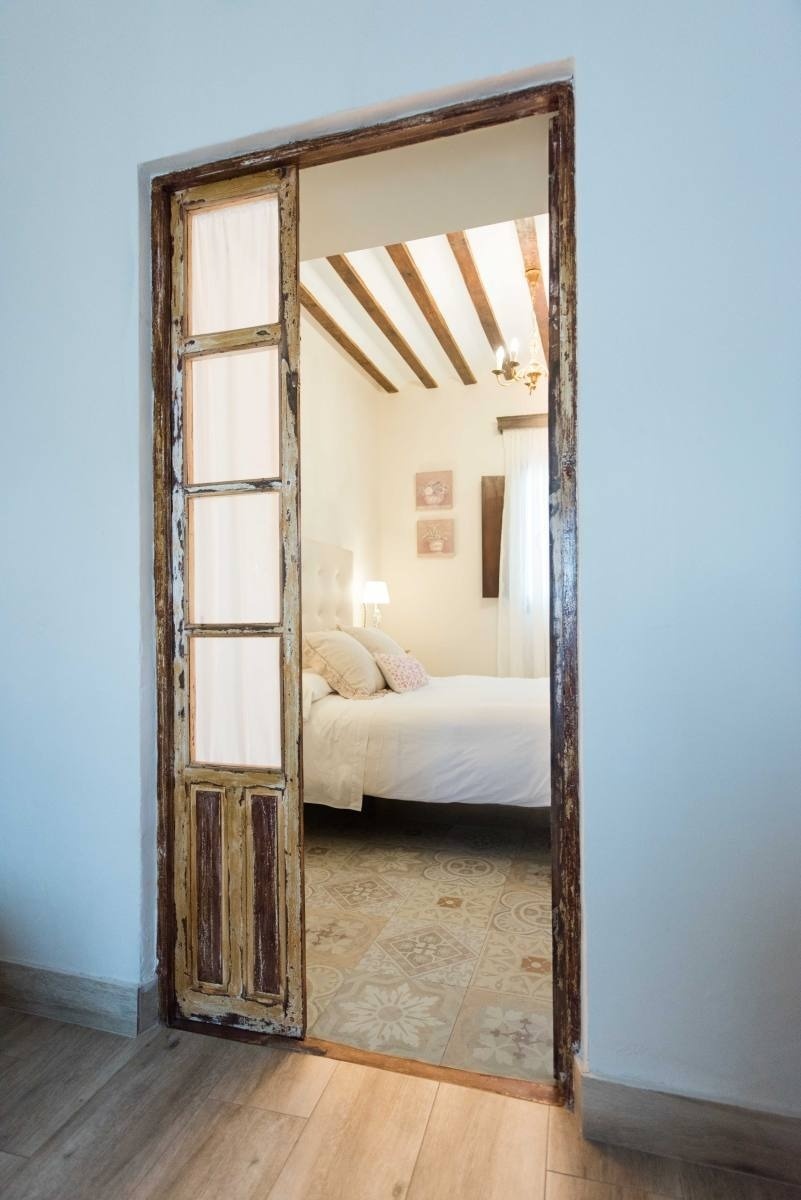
x,y
238,955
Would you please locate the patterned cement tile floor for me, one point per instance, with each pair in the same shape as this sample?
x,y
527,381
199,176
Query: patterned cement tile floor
x,y
431,940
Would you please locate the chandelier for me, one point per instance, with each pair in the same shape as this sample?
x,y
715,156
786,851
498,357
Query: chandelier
x,y
508,368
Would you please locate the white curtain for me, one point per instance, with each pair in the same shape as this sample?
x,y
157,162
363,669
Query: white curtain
x,y
234,265
233,559
523,599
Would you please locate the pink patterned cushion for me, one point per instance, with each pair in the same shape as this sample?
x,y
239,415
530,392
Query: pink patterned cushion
x,y
402,672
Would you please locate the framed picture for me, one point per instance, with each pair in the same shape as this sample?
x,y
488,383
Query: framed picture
x,y
435,538
433,489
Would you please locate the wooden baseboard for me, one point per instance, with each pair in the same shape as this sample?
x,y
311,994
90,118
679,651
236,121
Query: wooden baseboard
x,y
699,1131
79,999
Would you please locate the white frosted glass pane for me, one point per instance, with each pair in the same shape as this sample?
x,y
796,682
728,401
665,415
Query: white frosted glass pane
x,y
233,418
234,266
235,559
236,701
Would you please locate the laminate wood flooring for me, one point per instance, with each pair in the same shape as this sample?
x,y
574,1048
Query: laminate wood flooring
x,y
181,1116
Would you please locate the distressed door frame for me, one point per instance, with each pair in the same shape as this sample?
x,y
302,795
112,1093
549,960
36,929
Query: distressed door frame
x,y
237,874
556,101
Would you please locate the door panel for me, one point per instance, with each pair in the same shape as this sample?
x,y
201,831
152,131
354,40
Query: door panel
x,y
232,416
235,701
233,264
236,605
264,845
235,559
209,888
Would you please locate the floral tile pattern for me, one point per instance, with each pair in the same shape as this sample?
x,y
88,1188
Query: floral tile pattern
x,y
451,903
395,1016
376,961
388,861
515,963
421,950
366,893
502,1035
468,867
532,872
455,969
432,941
339,939
523,911
321,985
484,839
329,856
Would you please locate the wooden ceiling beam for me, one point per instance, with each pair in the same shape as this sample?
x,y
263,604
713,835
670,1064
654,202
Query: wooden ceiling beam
x,y
410,274
319,314
356,285
532,265
467,265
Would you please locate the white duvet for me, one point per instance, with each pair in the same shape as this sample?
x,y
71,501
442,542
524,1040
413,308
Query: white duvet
x,y
471,739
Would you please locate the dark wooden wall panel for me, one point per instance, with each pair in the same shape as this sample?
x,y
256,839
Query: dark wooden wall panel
x,y
209,886
266,930
492,492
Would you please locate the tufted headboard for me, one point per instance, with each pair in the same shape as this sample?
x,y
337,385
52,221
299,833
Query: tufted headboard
x,y
327,586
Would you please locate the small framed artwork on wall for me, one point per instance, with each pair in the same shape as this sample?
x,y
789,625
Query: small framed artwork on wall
x,y
433,489
435,539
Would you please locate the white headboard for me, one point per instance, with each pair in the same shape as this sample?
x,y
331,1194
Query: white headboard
x,y
326,585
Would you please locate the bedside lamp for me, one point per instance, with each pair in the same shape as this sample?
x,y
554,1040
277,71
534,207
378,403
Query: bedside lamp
x,y
376,593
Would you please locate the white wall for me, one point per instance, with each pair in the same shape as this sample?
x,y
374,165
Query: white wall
x,y
690,421
437,610
340,467
425,189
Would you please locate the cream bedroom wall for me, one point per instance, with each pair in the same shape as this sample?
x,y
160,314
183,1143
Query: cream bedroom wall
x,y
339,413
437,610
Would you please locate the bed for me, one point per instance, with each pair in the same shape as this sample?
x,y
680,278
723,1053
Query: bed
x,y
469,739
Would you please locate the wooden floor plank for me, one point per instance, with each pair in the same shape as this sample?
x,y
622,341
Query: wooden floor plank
x,y
43,1088
480,1146
225,1150
105,1150
362,1140
22,1034
10,1164
146,1127
278,1080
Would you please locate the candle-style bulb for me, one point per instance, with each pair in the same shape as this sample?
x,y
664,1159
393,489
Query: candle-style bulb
x,y
513,345
499,357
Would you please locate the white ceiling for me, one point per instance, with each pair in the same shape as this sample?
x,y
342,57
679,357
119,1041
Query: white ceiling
x,y
499,260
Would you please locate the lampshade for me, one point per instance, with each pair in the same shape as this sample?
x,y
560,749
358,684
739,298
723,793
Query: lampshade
x,y
375,592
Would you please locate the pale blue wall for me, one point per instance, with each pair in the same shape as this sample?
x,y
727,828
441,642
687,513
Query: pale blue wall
x,y
689,201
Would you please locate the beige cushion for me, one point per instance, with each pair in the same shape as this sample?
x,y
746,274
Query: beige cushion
x,y
347,666
373,640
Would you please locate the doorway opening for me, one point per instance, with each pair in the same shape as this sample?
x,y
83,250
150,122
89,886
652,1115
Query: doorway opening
x,y
453,887
424,549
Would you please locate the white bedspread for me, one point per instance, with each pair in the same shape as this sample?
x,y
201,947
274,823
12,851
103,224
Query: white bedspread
x,y
472,739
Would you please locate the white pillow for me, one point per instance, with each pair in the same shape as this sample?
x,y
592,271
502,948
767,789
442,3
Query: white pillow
x,y
345,665
374,640
313,687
